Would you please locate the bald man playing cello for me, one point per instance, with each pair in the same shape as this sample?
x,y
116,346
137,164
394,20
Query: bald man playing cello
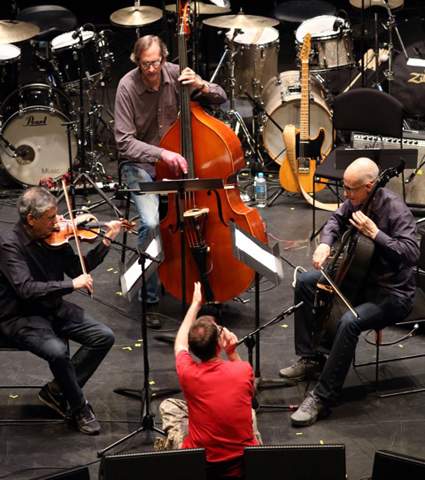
x,y
386,294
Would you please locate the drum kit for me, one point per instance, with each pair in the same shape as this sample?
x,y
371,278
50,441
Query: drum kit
x,y
36,118
39,134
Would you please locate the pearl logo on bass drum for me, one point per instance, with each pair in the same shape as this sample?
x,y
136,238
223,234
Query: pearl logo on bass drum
x,y
32,122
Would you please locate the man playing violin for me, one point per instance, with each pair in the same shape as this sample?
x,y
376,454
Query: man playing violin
x,y
146,106
33,314
217,413
386,295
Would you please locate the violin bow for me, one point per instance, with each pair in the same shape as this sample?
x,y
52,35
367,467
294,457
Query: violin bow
x,y
74,229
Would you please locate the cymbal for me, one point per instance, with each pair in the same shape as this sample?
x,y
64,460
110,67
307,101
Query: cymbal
x,y
13,31
377,3
240,21
202,8
135,16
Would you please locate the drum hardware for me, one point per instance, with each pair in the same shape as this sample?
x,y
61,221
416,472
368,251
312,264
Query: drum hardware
x,y
14,31
135,17
235,120
32,122
202,8
240,20
331,43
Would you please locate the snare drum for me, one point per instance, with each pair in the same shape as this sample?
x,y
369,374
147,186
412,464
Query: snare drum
x,y
255,61
331,42
65,57
282,101
10,63
33,116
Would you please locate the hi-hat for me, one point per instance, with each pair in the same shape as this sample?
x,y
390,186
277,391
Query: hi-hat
x,y
135,16
13,31
377,3
202,8
240,20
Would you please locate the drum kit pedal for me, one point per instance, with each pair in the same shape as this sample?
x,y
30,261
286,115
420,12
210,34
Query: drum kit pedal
x,y
42,136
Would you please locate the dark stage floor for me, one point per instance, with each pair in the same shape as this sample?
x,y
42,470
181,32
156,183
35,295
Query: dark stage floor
x,y
34,442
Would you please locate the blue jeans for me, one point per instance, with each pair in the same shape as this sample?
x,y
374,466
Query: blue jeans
x,y
71,374
147,207
376,312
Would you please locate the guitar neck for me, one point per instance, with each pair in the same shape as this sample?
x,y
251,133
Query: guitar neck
x,y
305,102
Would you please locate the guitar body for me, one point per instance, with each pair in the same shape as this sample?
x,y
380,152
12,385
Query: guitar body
x,y
301,171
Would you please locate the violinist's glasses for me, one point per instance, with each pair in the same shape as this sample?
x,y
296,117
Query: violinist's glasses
x,y
154,64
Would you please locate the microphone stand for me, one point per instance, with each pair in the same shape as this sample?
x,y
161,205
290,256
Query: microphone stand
x,y
250,341
145,394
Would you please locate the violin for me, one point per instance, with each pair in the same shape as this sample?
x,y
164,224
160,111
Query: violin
x,y
87,227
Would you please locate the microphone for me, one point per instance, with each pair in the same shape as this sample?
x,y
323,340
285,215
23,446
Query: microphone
x,y
77,32
411,176
337,24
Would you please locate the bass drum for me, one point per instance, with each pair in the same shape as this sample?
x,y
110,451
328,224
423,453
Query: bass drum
x,y
282,101
33,118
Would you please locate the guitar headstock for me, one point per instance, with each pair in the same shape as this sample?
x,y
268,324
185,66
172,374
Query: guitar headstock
x,y
305,50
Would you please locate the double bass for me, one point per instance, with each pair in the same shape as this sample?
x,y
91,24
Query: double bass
x,y
212,150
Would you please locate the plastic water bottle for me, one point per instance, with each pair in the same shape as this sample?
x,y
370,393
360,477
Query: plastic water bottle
x,y
261,191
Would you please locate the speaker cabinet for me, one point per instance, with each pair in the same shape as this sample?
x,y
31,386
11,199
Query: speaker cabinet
x,y
186,464
79,473
295,462
393,466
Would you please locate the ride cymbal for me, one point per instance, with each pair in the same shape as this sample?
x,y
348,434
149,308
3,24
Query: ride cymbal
x,y
202,8
132,17
13,31
240,20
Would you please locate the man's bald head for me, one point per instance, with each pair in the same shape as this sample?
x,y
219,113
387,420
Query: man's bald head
x,y
361,171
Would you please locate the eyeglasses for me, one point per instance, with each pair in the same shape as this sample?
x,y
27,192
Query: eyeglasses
x,y
146,65
220,331
350,190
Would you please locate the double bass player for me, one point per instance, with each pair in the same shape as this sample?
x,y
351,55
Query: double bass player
x,y
387,293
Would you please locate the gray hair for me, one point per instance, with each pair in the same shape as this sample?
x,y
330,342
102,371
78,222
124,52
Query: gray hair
x,y
35,201
143,44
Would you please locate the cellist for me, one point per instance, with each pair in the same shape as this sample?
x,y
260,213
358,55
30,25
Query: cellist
x,y
386,295
146,106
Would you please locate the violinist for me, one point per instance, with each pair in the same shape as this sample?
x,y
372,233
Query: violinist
x,y
146,106
387,292
33,314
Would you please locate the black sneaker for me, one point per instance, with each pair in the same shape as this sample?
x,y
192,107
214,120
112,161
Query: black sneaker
x,y
86,420
55,401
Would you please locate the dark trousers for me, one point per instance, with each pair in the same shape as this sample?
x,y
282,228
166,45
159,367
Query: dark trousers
x,y
377,312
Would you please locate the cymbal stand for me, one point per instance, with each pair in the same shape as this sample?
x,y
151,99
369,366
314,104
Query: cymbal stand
x,y
235,119
390,26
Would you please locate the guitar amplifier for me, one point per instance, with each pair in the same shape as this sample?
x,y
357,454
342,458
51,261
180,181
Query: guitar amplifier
x,y
414,179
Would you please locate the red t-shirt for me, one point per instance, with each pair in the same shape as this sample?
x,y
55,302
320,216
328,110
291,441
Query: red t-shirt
x,y
218,396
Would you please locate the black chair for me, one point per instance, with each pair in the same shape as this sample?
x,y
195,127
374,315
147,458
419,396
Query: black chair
x,y
414,319
363,110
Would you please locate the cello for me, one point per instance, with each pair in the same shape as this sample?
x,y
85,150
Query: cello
x,y
212,150
350,272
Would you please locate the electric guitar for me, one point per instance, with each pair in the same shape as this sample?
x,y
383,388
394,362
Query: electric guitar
x,y
299,175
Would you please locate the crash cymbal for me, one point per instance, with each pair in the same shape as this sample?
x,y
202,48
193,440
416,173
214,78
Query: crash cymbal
x,y
202,8
13,31
240,21
377,3
135,16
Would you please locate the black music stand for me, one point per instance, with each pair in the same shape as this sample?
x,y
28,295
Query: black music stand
x,y
265,261
180,187
133,276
